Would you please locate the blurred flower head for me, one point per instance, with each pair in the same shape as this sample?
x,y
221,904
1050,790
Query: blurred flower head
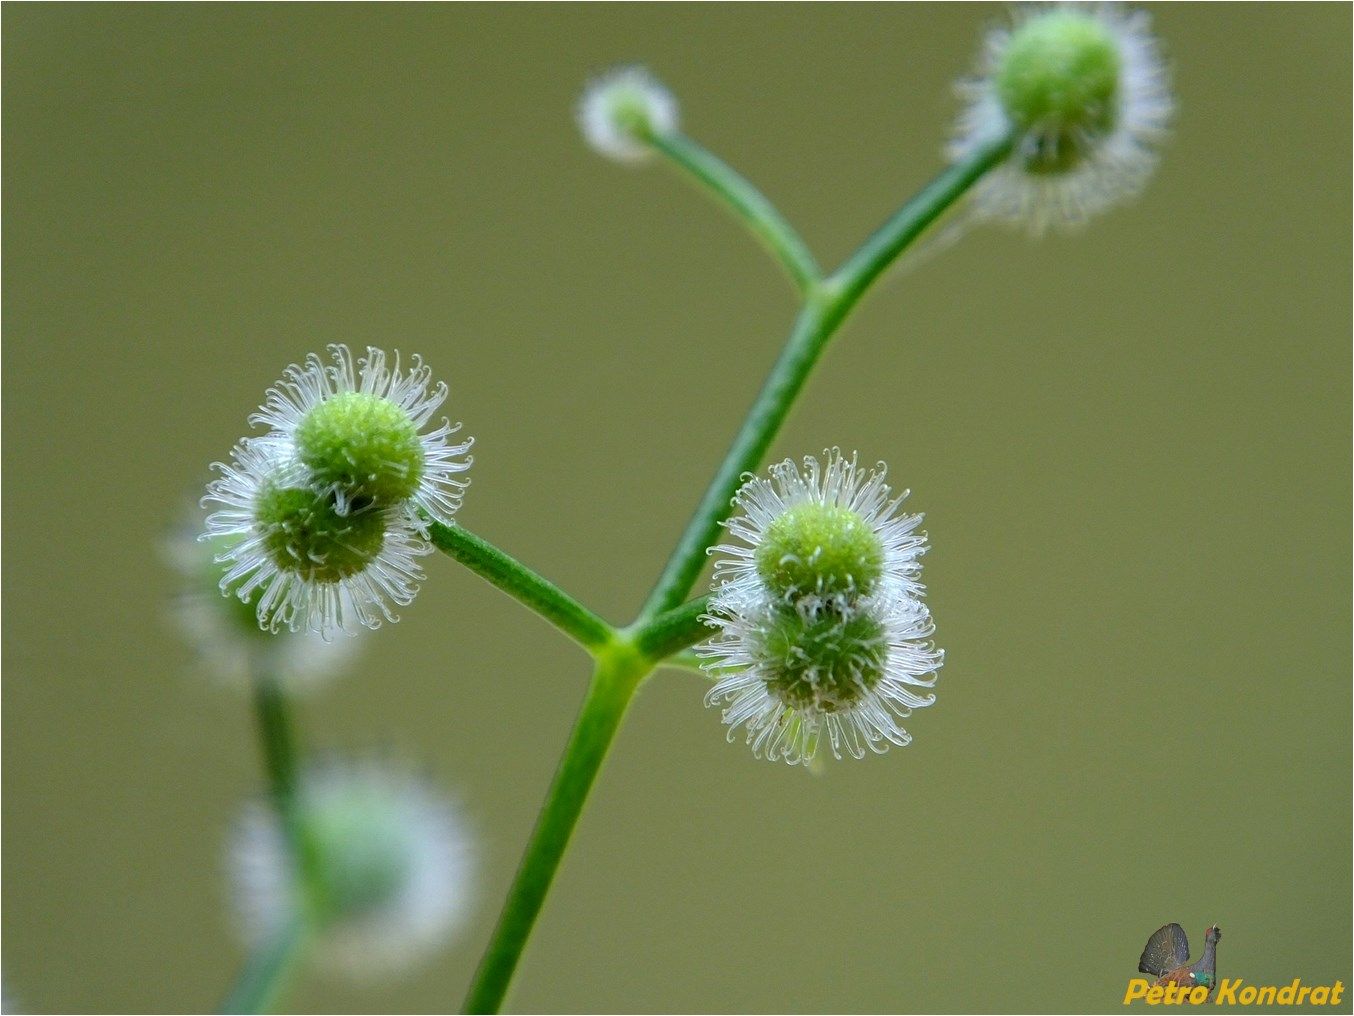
x,y
390,875
1083,92
622,109
225,633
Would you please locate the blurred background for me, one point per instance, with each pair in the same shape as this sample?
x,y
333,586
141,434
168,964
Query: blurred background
x,y
1131,445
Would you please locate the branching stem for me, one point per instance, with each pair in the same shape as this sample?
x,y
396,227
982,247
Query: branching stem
x,y
666,627
761,217
822,314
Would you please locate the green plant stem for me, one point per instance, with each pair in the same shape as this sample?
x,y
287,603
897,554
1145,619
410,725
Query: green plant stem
x,y
523,585
621,666
745,201
849,283
268,970
280,762
277,743
675,630
619,671
686,660
265,974
822,314
664,628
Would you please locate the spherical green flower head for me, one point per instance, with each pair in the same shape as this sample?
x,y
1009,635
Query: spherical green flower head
x,y
363,851
1059,81
304,533
362,445
825,662
819,549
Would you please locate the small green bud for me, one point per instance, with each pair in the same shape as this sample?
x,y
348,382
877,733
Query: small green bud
x,y
305,533
363,445
824,662
819,549
1059,78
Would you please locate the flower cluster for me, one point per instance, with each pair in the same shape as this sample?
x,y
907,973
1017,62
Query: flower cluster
x,y
321,519
822,626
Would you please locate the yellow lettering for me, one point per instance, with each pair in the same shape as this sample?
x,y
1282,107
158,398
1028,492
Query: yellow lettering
x,y
1320,994
1266,994
1198,994
1302,995
1289,991
1137,988
1335,992
1247,995
1154,994
1227,991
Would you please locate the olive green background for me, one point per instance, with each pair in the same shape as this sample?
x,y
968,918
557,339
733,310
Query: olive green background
x,y
1132,447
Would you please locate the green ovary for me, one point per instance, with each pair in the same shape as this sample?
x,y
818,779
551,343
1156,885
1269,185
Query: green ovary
x,y
304,534
362,444
826,663
820,549
1059,82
